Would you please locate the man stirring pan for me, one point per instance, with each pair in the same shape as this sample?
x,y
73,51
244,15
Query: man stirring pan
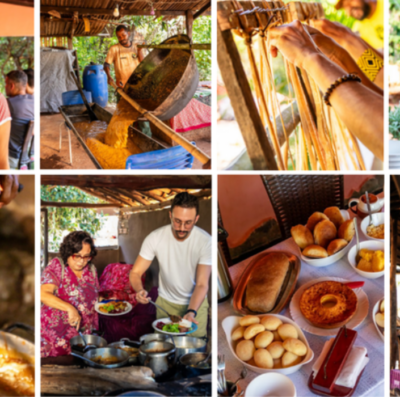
x,y
183,251
125,56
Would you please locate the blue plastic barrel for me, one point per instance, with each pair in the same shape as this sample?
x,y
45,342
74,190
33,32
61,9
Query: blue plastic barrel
x,y
75,98
95,81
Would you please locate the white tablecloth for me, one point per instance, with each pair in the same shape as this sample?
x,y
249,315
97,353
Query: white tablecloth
x,y
372,381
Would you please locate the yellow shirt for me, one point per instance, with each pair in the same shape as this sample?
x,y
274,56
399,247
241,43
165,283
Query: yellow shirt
x,y
125,60
371,29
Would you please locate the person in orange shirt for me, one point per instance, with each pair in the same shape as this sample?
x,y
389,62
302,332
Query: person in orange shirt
x,y
125,56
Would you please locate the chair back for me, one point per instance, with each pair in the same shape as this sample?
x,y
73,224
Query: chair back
x,y
165,159
27,148
295,197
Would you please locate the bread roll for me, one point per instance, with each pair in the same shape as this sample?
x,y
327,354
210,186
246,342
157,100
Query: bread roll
x,y
380,319
263,359
263,339
315,251
238,333
248,320
277,363
287,331
324,233
276,336
289,359
271,323
245,350
315,218
295,346
334,215
276,349
302,236
336,245
252,330
265,283
346,230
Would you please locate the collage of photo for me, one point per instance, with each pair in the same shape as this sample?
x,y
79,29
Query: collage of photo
x,y
211,206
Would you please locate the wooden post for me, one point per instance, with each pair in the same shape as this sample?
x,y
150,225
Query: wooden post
x,y
70,43
242,101
189,24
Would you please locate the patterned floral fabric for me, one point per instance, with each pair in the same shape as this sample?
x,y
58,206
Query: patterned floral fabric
x,y
114,278
81,293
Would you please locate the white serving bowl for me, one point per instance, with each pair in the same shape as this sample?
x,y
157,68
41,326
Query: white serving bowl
x,y
378,218
371,245
229,324
277,385
376,310
321,262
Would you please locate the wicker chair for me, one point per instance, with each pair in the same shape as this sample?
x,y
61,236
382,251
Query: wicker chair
x,y
295,197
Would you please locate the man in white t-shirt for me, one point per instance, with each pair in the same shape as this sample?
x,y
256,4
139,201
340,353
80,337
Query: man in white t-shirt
x,y
183,251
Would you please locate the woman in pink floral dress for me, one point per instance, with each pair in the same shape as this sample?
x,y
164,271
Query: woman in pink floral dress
x,y
69,292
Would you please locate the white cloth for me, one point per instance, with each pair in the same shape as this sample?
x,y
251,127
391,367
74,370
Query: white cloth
x,y
355,363
178,261
372,380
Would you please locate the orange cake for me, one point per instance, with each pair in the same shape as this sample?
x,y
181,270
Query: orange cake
x,y
328,304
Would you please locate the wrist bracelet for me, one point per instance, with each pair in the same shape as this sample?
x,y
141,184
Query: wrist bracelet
x,y
340,80
192,311
370,63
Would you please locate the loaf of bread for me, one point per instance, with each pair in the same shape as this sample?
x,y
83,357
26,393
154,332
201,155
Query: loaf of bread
x,y
334,215
265,282
314,219
346,230
302,236
336,245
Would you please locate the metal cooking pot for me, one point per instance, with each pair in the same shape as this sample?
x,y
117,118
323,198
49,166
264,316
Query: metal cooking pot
x,y
189,368
92,340
133,359
169,100
104,352
159,356
154,337
189,344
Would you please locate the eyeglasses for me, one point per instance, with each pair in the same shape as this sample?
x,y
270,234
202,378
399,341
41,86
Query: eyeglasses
x,y
82,258
186,224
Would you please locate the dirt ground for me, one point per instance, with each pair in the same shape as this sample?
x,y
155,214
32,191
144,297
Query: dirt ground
x,y
53,158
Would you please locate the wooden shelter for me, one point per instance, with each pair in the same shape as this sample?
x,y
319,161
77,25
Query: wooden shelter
x,y
59,24
16,18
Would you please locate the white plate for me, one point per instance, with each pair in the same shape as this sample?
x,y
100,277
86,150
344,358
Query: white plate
x,y
168,321
229,324
322,262
377,218
277,385
128,309
375,310
371,245
297,315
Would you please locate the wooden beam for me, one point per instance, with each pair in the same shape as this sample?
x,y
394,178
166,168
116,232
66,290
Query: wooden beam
x,y
189,24
202,10
177,46
116,196
25,3
202,194
77,205
101,196
105,11
242,101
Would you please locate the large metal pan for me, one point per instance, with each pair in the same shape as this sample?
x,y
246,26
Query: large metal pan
x,y
104,353
133,358
91,340
166,80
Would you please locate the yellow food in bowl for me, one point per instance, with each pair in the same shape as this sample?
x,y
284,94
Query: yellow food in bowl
x,y
371,261
376,231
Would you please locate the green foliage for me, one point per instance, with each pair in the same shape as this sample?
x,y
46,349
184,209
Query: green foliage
x,y
394,34
15,53
151,30
394,122
70,219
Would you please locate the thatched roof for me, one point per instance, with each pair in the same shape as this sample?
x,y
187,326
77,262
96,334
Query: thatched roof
x,y
135,192
100,15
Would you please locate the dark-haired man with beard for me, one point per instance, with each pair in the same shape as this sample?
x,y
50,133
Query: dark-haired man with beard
x,y
183,251
369,15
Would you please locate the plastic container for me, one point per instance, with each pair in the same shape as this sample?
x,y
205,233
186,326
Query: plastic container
x,y
95,81
75,98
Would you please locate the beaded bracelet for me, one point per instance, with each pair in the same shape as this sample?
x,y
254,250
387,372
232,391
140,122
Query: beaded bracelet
x,y
340,80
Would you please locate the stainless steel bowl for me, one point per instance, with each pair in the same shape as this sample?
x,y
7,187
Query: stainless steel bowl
x,y
159,356
189,344
92,340
189,368
133,359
